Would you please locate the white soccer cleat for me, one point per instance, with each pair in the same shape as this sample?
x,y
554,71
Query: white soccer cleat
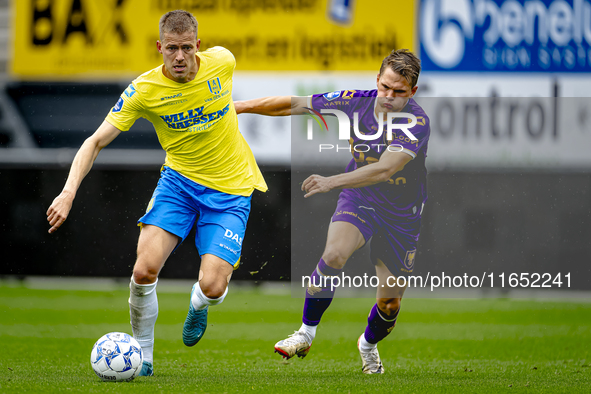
x,y
295,345
371,360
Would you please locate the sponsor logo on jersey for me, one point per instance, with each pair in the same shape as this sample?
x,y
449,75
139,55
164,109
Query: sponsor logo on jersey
x,y
229,248
215,86
194,119
171,97
349,213
217,96
234,237
118,105
332,95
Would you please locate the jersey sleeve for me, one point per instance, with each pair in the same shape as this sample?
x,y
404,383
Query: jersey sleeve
x,y
231,58
127,109
407,145
225,57
339,99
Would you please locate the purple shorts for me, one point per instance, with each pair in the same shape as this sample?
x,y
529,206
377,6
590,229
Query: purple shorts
x,y
392,242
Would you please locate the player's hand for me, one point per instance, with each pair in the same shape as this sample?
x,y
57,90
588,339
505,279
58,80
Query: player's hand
x,y
316,184
59,210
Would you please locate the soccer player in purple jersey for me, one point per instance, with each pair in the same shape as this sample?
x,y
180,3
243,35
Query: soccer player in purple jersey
x,y
382,198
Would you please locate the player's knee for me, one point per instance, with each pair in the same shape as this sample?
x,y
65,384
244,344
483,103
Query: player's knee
x,y
213,289
389,305
143,272
143,275
334,258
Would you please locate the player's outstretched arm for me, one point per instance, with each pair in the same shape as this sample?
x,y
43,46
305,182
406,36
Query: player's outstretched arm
x,y
389,164
270,106
85,157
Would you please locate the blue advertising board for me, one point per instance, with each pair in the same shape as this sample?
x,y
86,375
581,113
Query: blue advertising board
x,y
505,35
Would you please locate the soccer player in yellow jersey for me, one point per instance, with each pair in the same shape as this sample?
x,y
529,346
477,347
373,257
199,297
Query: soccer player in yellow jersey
x,y
207,179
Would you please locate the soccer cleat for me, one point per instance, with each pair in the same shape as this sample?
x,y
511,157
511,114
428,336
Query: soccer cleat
x,y
195,324
147,369
295,345
371,360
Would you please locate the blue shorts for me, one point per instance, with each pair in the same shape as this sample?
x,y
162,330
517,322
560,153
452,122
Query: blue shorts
x,y
395,244
179,203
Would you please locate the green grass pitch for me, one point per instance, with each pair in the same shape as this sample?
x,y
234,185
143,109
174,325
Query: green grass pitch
x,y
459,345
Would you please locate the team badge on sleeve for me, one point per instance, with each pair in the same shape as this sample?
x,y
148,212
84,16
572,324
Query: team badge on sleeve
x,y
348,94
332,95
119,105
130,91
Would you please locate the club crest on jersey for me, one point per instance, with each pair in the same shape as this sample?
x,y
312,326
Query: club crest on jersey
x,y
332,95
409,259
234,237
215,86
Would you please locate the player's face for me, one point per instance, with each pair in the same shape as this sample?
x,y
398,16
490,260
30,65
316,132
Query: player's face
x,y
393,91
179,54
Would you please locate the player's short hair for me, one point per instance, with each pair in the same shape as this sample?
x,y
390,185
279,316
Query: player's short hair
x,y
405,63
178,22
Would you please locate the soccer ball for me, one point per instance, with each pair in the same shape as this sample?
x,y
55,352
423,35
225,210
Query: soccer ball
x,y
116,357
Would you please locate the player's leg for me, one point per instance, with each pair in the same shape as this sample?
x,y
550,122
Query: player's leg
x,y
220,232
168,220
210,290
381,320
154,247
392,251
343,239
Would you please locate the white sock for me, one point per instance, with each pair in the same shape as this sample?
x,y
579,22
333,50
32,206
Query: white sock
x,y
365,346
143,310
201,301
310,331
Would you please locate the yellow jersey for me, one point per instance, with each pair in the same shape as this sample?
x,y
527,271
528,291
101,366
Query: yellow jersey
x,y
196,123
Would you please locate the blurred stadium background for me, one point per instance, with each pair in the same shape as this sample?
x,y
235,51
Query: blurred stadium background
x,y
510,172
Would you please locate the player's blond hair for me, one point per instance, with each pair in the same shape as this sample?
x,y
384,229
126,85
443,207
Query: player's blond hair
x,y
405,63
177,22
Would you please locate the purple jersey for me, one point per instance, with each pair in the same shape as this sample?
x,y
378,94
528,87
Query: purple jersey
x,y
401,197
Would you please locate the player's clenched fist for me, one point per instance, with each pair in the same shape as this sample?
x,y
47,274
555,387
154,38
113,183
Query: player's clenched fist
x,y
59,210
316,184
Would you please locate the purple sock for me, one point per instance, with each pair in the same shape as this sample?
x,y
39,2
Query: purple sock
x,y
378,326
318,297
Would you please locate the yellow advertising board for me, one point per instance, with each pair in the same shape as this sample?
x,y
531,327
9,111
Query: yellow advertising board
x,y
74,39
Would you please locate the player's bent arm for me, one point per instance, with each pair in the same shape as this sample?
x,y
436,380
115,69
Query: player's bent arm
x,y
389,164
85,157
270,106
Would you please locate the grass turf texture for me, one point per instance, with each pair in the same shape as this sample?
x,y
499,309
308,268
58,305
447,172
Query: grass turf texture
x,y
485,346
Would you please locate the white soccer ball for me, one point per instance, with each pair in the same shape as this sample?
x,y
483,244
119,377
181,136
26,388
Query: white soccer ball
x,y
116,357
